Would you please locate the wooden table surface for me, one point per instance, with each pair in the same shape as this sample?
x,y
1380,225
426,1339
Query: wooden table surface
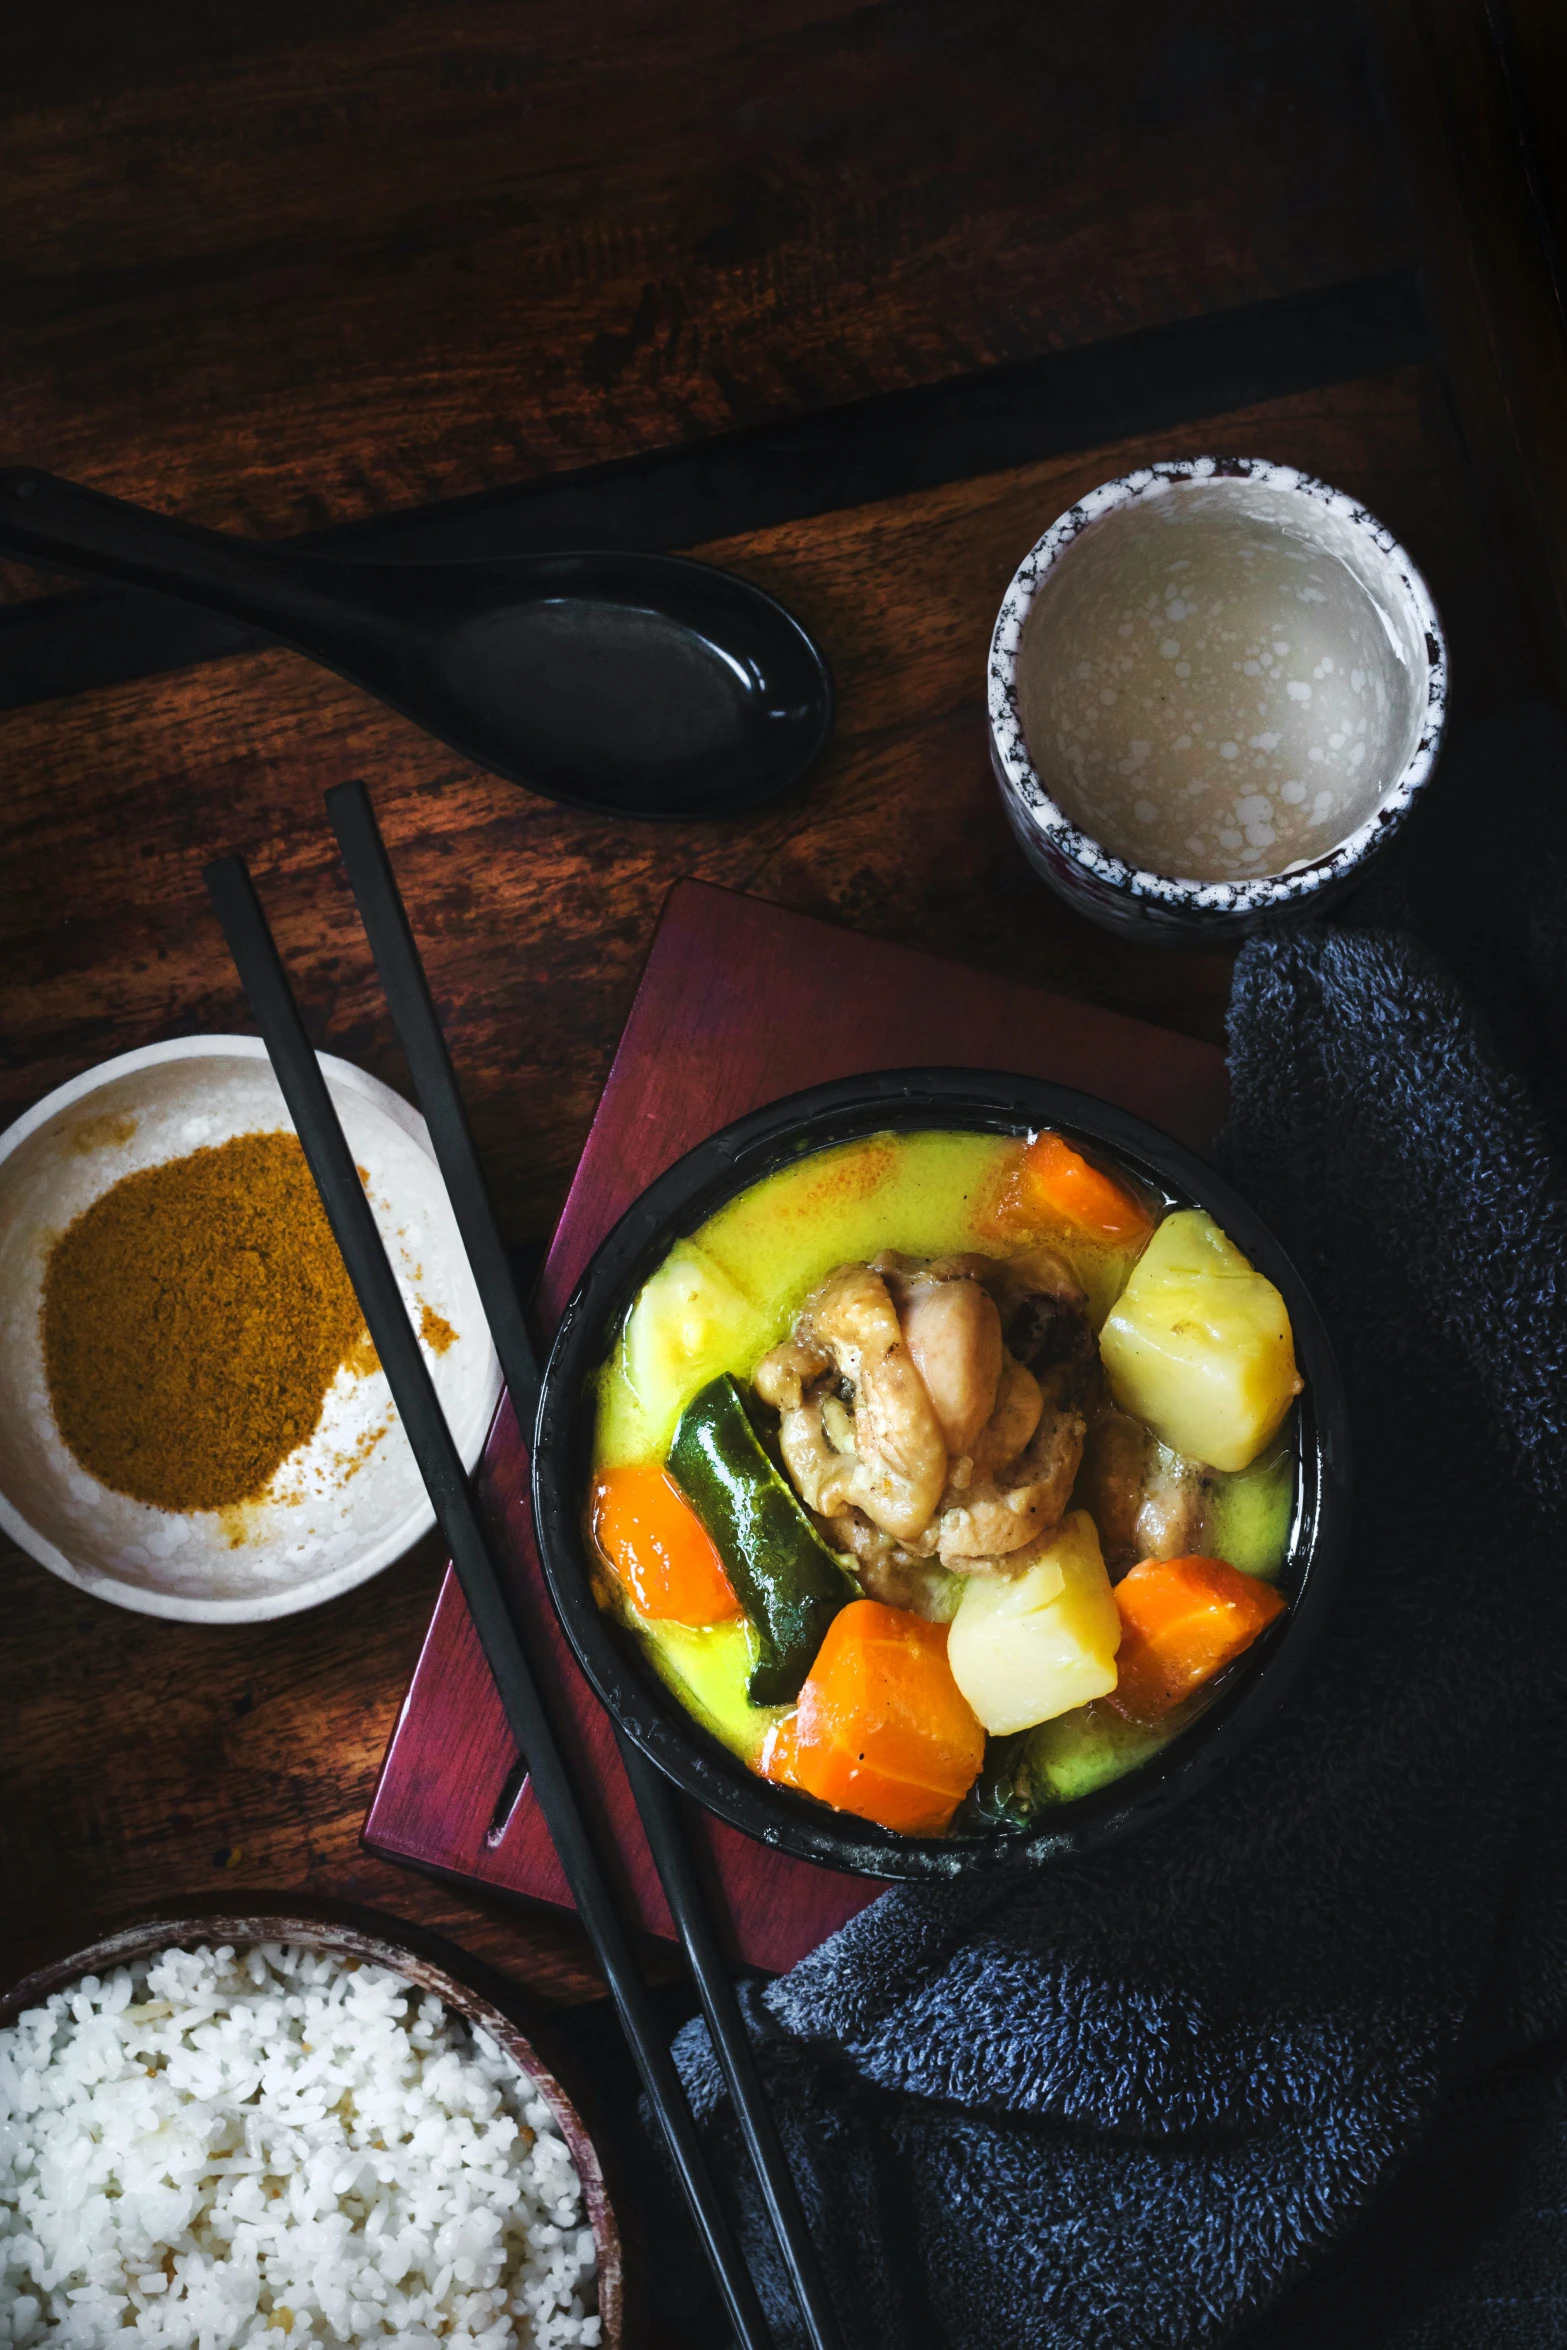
x,y
852,299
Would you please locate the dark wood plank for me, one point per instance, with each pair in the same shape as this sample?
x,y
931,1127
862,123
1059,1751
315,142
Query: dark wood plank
x,y
134,1753
114,800
147,1763
703,1045
888,446
1532,39
272,265
1478,93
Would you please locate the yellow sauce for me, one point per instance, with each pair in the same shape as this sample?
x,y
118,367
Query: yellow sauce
x,y
730,1291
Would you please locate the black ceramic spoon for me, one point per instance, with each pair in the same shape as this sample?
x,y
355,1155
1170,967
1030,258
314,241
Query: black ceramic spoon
x,y
636,685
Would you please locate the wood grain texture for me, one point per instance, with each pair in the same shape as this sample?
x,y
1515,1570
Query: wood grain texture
x,y
136,1754
276,264
147,1763
891,445
534,919
740,1004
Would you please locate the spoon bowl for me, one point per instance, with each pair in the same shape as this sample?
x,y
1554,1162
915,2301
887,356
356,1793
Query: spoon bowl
x,y
626,683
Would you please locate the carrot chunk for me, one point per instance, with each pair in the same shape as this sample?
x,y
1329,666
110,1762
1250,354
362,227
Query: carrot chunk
x,y
881,1728
1061,1180
659,1547
1182,1621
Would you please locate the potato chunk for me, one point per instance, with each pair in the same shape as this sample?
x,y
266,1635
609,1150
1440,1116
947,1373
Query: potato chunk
x,y
1199,1346
690,1322
1032,1644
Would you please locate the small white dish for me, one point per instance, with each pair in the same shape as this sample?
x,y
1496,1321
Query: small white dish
x,y
345,1505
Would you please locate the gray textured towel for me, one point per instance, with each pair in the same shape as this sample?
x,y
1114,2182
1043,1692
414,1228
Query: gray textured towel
x,y
1139,2100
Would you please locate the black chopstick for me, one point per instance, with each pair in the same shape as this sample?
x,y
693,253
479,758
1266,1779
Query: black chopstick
x,y
418,1407
419,1031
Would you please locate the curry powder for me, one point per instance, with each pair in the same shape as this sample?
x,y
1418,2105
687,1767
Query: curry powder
x,y
194,1319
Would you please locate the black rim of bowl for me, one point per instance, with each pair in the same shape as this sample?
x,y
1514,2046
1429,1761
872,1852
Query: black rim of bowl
x,y
742,1154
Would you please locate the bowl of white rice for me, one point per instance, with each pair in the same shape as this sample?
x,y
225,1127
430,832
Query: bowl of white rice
x,y
223,2130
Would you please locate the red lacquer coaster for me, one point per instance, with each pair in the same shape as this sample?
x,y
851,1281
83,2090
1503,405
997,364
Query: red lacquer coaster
x,y
740,1003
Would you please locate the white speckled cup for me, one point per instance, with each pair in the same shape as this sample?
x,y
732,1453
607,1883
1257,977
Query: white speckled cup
x,y
1158,905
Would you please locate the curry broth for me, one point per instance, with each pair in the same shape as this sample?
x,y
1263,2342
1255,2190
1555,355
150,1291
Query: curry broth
x,y
730,1291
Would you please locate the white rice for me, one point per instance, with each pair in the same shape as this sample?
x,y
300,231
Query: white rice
x,y
271,2147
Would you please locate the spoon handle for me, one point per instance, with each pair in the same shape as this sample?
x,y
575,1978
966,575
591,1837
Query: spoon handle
x,y
59,522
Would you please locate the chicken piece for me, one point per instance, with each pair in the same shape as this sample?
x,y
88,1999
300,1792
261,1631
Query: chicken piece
x,y
960,1442
1114,1460
1008,1279
978,1531
885,1570
1052,1458
998,1514
824,1475
901,1464
1026,1461
1049,1333
838,1421
953,1332
953,1328
782,1376
1019,1402
869,1546
1147,1502
1037,1273
898,1270
1174,1506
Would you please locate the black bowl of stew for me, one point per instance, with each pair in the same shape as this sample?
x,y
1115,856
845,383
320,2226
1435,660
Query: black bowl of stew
x,y
1018,1814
